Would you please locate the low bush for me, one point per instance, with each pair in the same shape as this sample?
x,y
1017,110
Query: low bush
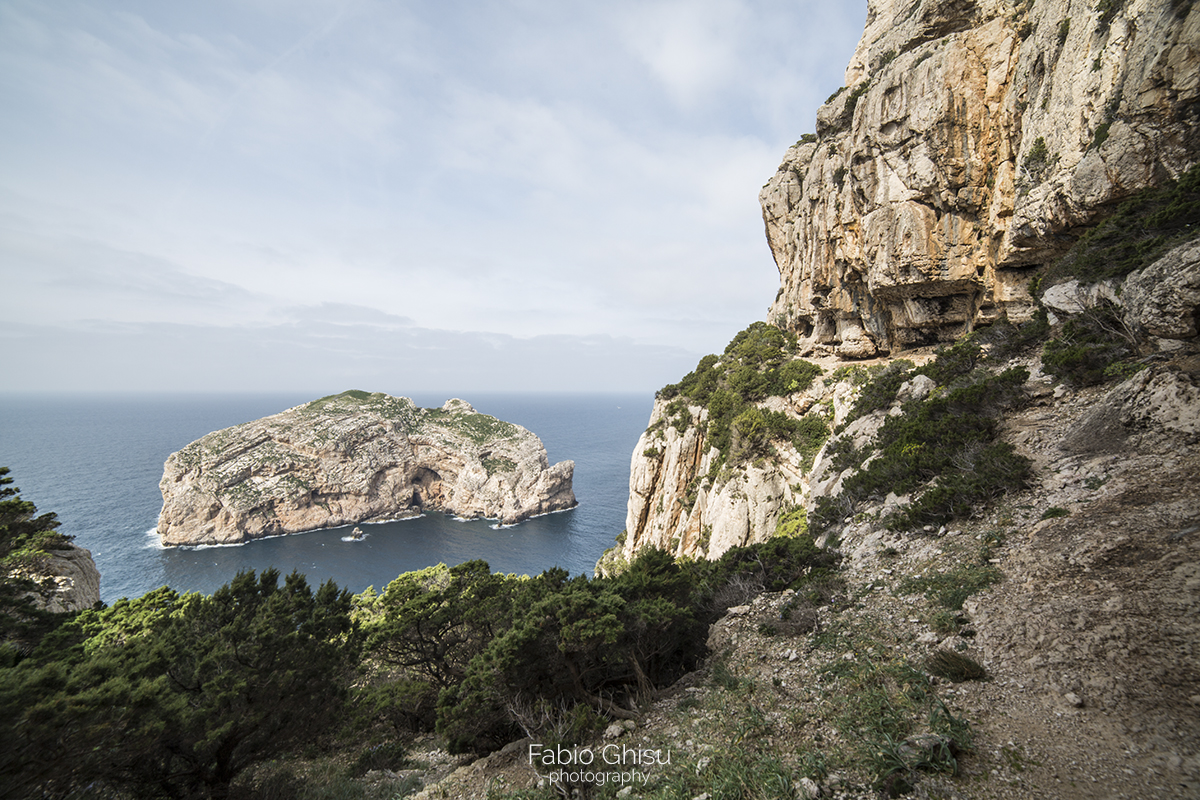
x,y
879,390
942,448
1089,348
951,589
758,363
954,666
1135,234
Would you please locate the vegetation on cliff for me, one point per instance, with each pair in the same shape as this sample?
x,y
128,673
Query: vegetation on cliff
x,y
26,540
942,448
758,363
1138,231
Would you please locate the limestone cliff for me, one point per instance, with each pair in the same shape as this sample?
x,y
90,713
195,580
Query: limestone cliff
x,y
679,503
672,509
355,457
66,579
975,141
972,143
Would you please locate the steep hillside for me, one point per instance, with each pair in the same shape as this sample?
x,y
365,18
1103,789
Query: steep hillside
x,y
989,255
984,159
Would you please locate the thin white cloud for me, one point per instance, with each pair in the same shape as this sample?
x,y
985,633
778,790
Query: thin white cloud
x,y
691,47
346,314
524,168
322,357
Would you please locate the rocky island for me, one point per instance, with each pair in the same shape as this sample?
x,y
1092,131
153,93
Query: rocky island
x,y
356,457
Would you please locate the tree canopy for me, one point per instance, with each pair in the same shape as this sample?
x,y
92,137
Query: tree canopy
x,y
174,695
184,695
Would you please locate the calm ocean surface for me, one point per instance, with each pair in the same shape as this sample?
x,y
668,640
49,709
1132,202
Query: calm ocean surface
x,y
96,462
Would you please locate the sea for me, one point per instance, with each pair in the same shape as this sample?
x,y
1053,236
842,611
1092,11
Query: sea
x,y
96,460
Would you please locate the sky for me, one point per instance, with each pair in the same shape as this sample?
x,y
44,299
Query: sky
x,y
317,195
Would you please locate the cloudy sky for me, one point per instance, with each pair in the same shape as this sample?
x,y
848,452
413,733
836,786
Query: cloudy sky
x,y
396,196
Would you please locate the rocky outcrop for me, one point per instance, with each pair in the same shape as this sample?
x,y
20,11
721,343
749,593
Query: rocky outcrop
x,y
676,503
1163,299
356,457
972,143
67,580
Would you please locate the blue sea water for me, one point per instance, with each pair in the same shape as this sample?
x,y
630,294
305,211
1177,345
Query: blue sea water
x,y
96,462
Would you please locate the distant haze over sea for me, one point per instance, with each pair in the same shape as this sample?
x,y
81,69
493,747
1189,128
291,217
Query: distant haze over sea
x,y
96,462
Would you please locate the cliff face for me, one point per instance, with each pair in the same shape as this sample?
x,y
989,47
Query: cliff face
x,y
669,509
674,506
355,458
67,581
972,143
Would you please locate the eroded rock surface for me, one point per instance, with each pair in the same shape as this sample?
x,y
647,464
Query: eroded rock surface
x,y
671,508
67,580
971,144
356,457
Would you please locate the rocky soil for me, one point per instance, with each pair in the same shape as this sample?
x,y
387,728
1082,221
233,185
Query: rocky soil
x,y
1089,637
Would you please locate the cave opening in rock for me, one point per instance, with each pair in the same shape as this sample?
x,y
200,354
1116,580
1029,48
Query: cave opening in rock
x,y
427,488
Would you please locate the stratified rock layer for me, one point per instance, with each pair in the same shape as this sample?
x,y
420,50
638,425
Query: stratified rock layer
x,y
356,457
973,141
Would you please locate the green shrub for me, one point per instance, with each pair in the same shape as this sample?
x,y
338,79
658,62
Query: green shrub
x,y
1107,9
1039,159
178,695
792,522
1088,348
1122,370
794,376
880,389
387,755
954,362
856,93
1005,340
759,362
995,469
26,541
1137,233
1038,155
951,589
944,443
26,538
1064,29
